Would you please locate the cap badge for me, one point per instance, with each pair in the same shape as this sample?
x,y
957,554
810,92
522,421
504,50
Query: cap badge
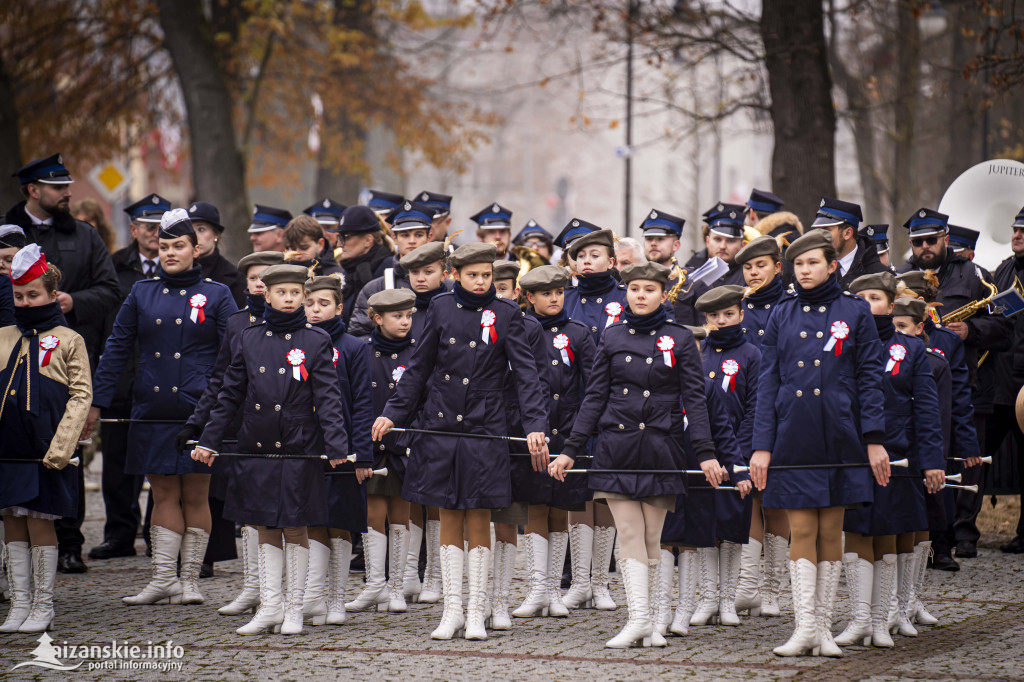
x,y
495,209
155,199
424,196
408,206
575,223
327,203
192,208
822,204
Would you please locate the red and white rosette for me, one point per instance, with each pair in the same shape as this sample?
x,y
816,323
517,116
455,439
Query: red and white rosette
x,y
612,310
488,335
665,345
397,372
561,342
297,359
840,330
198,302
46,345
336,355
730,368
897,354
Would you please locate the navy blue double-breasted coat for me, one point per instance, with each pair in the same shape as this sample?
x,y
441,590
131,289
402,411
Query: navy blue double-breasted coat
x,y
596,312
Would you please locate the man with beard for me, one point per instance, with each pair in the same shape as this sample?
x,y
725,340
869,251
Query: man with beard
x,y
856,256
495,227
662,233
961,282
88,289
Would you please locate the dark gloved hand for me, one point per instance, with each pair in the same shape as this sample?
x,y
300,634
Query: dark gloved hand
x,y
189,432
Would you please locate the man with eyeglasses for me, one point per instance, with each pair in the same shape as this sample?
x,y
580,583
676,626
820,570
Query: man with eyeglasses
x,y
961,282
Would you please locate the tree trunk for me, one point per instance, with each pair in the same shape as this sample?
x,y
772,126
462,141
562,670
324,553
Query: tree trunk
x,y
804,120
10,140
218,170
964,113
903,190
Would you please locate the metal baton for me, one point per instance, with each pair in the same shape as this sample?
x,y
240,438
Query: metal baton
x,y
968,488
74,461
488,436
987,459
376,472
842,465
955,478
634,471
141,421
267,455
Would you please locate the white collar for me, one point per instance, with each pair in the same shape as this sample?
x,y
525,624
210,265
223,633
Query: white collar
x,y
846,261
37,221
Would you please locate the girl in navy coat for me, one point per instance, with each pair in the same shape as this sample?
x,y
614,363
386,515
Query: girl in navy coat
x,y
597,301
646,380
820,403
762,272
346,497
283,379
733,365
880,539
223,470
178,320
469,342
45,401
426,271
567,351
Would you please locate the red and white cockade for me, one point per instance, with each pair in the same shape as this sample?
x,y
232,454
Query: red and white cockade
x,y
487,319
840,330
730,368
47,344
897,354
561,342
665,345
397,372
297,359
198,302
612,310
336,355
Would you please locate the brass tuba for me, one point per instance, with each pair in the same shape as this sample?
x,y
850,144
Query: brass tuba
x,y
527,258
985,198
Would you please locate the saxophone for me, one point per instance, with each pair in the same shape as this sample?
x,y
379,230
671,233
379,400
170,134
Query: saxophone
x,y
677,288
972,308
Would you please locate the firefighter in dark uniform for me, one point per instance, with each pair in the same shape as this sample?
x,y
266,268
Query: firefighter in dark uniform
x,y
250,267
178,320
856,255
725,238
282,378
662,232
961,282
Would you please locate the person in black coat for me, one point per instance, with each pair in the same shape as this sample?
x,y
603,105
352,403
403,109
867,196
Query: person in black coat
x,y
88,292
282,377
645,370
206,220
724,239
856,255
139,260
304,242
470,340
662,232
12,239
362,238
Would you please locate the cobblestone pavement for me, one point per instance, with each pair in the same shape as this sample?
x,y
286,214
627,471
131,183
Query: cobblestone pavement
x,y
981,636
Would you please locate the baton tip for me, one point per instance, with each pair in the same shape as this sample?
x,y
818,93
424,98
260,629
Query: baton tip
x,y
900,463
74,461
987,459
739,469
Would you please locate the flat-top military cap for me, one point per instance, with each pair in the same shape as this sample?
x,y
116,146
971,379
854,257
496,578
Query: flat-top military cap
x,y
175,223
428,253
50,171
324,283
661,224
149,209
358,219
836,212
494,217
440,203
391,300
382,202
12,237
573,230
814,239
961,238
720,297
260,258
926,223
1019,220
268,218
532,229
726,219
882,281
699,333
505,269
327,212
284,274
411,216
764,245
598,238
655,272
472,253
878,234
544,278
911,307
764,201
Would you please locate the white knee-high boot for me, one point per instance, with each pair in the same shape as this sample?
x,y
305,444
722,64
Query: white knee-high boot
x,y
341,560
314,600
604,543
19,576
581,551
375,550
452,619
411,584
803,576
687,603
249,598
44,572
536,602
193,549
270,615
860,575
430,593
638,628
748,586
165,585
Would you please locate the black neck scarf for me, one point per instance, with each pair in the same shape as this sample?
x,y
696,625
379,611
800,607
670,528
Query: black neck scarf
x,y
185,278
334,326
595,284
769,293
278,321
548,321
389,346
471,300
646,323
256,303
34,320
423,298
826,292
727,337
883,323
